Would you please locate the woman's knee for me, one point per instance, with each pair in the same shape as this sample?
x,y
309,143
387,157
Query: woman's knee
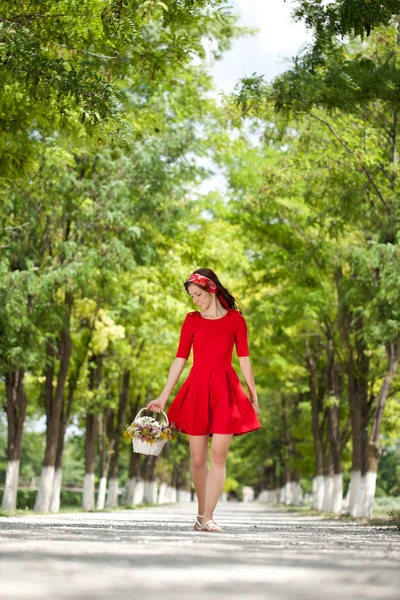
x,y
198,461
218,457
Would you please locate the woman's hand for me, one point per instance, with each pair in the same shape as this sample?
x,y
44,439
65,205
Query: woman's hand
x,y
254,402
156,405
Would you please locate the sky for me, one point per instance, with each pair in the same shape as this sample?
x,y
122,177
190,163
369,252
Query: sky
x,y
279,38
266,52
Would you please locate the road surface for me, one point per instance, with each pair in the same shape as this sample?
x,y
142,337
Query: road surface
x,y
153,553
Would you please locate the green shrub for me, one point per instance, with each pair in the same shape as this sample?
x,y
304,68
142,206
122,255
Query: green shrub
x,y
231,485
306,485
380,492
26,498
70,498
395,518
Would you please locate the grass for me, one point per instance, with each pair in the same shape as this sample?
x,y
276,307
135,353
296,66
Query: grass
x,y
386,511
395,518
27,512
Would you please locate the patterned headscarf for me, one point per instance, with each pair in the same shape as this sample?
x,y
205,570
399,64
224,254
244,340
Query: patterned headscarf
x,y
210,286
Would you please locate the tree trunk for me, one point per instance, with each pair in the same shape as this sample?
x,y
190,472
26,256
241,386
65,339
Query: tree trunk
x,y
357,368
358,371
317,430
104,463
134,462
54,405
88,500
65,417
133,478
112,496
57,479
374,449
337,439
16,403
292,492
88,496
105,427
150,484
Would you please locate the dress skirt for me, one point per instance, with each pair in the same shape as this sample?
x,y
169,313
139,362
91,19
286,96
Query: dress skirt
x,y
212,398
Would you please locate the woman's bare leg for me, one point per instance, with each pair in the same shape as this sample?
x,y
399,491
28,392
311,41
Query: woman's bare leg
x,y
198,453
217,475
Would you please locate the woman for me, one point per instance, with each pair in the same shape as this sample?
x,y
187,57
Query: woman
x,y
211,401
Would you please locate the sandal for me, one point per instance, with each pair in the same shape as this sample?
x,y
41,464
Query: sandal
x,y
197,523
213,527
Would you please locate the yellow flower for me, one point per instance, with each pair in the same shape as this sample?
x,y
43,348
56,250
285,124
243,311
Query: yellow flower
x,y
127,435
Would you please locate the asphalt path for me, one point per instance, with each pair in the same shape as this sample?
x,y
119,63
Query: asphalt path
x,y
154,553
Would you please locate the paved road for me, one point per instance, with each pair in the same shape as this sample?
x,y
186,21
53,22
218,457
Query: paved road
x,y
153,553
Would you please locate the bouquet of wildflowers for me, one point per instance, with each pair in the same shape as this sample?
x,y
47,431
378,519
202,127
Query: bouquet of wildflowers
x,y
147,435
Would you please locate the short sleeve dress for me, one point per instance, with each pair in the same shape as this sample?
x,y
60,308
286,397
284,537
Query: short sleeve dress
x,y
212,398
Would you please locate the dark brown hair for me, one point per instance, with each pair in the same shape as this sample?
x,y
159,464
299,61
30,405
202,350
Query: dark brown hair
x,y
221,290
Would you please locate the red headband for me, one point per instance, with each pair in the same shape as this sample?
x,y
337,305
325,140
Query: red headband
x,y
210,285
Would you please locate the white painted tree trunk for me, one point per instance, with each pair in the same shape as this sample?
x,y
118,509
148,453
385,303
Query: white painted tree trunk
x,y
150,492
248,494
9,501
369,494
263,496
337,494
163,494
346,500
174,494
88,492
43,496
112,496
318,492
282,495
101,496
288,492
275,495
139,493
130,491
56,491
184,496
297,494
356,495
329,484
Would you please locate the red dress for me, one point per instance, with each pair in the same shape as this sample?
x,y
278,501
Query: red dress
x,y
212,398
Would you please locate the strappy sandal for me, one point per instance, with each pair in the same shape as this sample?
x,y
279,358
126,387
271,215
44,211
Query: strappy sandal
x,y
197,523
214,527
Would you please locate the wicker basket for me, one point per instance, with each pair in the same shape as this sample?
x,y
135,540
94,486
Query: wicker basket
x,y
145,447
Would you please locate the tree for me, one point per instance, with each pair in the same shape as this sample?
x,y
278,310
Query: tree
x,y
345,16
341,92
72,68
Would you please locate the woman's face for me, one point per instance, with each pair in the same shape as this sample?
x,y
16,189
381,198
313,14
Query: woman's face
x,y
199,296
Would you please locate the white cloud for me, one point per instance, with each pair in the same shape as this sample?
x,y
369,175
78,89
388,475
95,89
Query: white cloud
x,y
278,33
279,38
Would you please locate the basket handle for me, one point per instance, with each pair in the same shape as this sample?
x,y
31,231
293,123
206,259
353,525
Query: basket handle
x,y
142,409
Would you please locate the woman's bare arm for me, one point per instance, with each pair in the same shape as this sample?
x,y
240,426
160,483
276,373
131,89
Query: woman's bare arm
x,y
245,366
174,373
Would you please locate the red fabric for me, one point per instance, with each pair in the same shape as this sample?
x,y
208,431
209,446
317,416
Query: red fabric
x,y
212,398
209,285
203,281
